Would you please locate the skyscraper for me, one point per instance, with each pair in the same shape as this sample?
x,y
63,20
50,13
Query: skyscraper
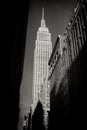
x,y
42,52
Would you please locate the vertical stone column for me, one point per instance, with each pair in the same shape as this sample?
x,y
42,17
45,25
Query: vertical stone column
x,y
81,34
78,34
73,39
71,43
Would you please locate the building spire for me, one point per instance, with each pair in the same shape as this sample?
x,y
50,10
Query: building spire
x,y
43,14
42,20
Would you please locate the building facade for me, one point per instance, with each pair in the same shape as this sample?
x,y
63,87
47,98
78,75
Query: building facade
x,y
67,73
77,30
42,52
58,62
77,43
58,78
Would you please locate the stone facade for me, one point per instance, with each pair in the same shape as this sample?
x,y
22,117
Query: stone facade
x,y
42,52
67,72
58,63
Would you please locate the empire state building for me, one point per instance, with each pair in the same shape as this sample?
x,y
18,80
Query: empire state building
x,y
42,52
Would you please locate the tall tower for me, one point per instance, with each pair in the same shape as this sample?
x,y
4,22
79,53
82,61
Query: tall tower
x,y
42,52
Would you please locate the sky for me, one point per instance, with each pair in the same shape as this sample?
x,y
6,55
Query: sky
x,y
57,14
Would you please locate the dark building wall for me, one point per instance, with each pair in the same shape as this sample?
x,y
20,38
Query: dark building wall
x,y
78,69
73,114
17,25
58,78
68,106
77,89
59,109
37,118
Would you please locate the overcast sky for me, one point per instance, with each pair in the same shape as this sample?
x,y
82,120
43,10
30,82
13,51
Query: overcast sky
x,y
57,15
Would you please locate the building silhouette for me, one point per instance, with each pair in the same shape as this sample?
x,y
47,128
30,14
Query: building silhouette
x,y
17,28
67,74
